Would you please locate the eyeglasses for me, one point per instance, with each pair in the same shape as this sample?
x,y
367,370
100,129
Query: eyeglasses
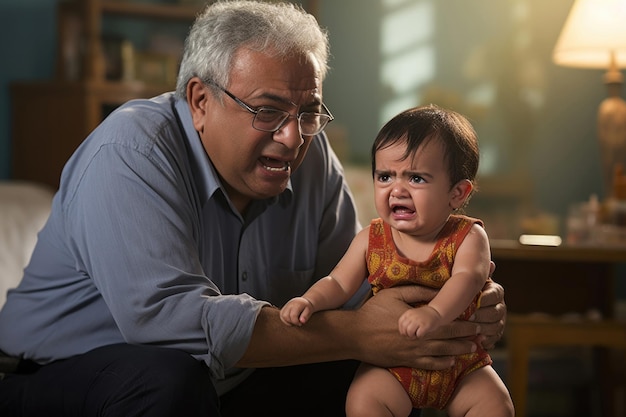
x,y
268,119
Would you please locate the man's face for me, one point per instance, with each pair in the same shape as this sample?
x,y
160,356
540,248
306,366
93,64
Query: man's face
x,y
253,164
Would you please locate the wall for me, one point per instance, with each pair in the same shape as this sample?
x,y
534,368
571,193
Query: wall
x,y
27,51
490,59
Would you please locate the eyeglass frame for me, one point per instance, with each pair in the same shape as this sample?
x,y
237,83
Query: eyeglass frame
x,y
255,112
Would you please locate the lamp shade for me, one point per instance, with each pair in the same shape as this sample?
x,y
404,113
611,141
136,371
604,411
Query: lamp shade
x,y
593,31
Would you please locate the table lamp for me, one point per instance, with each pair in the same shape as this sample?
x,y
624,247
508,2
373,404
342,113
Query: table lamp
x,y
594,36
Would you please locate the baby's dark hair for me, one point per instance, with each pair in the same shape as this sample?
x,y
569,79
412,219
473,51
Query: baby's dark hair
x,y
417,125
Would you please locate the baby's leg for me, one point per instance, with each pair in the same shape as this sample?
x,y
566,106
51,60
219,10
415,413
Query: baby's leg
x,y
481,394
376,392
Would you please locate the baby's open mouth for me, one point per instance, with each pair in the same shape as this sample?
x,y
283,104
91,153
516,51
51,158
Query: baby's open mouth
x,y
402,209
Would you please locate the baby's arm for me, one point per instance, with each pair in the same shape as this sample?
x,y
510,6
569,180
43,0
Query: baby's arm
x,y
333,290
469,274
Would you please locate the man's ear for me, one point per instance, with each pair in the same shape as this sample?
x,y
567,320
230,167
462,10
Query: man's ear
x,y
460,192
198,101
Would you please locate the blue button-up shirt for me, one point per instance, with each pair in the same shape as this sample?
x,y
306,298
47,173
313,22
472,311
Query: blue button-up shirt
x,y
143,246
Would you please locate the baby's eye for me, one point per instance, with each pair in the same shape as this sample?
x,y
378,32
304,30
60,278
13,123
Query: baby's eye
x,y
383,178
417,179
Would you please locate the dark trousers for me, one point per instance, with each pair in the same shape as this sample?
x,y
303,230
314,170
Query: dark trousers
x,y
127,380
116,380
316,390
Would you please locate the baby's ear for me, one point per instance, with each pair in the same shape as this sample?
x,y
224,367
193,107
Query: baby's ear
x,y
460,192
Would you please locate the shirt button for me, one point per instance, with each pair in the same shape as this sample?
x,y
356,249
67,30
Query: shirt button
x,y
244,276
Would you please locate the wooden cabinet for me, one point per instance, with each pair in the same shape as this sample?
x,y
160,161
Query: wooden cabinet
x,y
51,118
562,297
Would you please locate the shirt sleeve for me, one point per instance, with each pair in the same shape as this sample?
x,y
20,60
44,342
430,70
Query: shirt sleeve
x,y
339,222
134,226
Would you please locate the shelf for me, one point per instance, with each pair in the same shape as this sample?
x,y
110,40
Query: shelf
x,y
81,96
140,10
511,250
105,92
151,10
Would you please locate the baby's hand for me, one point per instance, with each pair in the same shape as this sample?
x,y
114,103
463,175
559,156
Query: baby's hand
x,y
296,312
418,321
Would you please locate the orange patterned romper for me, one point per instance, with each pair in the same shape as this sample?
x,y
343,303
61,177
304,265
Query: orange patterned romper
x,y
386,268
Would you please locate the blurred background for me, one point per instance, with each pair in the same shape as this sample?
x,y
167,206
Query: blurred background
x,y
488,59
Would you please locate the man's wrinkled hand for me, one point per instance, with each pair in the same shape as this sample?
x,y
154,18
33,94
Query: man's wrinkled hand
x,y
491,316
381,344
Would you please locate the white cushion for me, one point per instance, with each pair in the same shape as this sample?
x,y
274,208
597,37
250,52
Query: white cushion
x,y
24,208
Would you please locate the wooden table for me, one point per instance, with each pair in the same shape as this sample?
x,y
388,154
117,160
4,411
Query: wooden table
x,y
557,281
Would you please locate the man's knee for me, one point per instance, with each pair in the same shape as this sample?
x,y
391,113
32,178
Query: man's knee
x,y
157,382
116,380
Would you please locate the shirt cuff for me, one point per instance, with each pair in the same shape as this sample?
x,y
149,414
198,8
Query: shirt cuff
x,y
228,322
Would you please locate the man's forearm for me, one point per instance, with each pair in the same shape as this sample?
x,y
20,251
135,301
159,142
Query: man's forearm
x,y
327,336
369,334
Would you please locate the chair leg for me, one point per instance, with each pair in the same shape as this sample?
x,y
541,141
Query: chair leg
x,y
517,372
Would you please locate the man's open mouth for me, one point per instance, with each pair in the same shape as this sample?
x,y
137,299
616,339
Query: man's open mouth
x,y
274,165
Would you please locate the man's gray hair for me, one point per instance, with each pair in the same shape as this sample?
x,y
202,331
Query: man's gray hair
x,y
280,29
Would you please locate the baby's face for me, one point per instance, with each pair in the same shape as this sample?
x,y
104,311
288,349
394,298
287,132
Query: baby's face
x,y
413,194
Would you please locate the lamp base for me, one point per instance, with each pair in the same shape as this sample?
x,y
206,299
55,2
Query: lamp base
x,y
612,137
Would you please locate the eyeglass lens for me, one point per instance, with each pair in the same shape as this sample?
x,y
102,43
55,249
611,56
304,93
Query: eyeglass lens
x,y
271,120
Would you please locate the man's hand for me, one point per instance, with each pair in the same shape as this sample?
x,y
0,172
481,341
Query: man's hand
x,y
491,316
376,325
435,350
370,334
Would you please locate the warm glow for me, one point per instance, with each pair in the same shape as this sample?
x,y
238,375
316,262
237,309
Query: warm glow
x,y
593,30
540,240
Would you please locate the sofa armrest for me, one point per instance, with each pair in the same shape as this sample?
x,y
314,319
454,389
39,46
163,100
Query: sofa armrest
x,y
24,209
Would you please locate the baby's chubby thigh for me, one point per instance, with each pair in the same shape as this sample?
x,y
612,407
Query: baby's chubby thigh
x,y
375,392
481,394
